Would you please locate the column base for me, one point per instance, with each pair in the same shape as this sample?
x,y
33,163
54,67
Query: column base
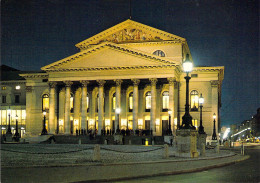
x,y
186,140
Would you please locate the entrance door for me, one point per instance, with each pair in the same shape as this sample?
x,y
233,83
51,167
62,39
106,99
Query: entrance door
x,y
71,126
147,124
165,127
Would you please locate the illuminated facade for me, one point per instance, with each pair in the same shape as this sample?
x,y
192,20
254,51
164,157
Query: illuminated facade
x,y
130,66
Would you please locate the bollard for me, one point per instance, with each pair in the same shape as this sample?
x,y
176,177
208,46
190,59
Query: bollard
x,y
79,141
130,142
153,142
242,149
96,155
217,149
203,150
166,151
105,142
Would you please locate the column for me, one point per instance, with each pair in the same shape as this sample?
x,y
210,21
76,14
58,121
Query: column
x,y
101,122
171,102
84,104
118,102
214,105
28,120
135,104
61,109
67,106
52,86
153,104
77,109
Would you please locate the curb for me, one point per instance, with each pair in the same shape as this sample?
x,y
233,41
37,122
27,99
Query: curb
x,y
170,172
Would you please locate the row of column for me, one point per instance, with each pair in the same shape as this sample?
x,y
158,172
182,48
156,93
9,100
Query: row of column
x,y
101,121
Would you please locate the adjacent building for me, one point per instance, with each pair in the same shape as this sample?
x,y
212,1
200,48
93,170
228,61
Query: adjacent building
x,y
131,67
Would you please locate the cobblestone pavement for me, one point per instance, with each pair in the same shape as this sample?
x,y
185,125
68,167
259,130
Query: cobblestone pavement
x,y
33,155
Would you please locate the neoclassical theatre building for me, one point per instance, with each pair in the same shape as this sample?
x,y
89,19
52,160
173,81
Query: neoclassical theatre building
x,y
130,66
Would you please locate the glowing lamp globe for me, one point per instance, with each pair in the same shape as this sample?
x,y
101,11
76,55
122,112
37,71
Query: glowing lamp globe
x,y
214,116
201,99
187,65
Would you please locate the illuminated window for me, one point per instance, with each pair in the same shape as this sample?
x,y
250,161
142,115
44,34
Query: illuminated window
x,y
130,124
159,53
195,123
18,87
71,103
23,116
130,102
3,87
194,100
87,103
45,102
165,101
3,99
148,100
114,102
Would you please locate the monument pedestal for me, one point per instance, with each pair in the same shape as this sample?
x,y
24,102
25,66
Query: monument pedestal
x,y
9,137
187,143
214,142
201,140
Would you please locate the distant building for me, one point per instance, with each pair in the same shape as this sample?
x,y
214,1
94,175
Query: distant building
x,y
12,99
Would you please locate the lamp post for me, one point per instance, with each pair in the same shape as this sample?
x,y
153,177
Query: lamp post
x,y
117,113
9,127
44,130
16,128
170,130
187,119
214,136
201,101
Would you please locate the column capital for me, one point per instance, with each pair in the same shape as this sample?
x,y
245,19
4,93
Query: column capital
x,y
118,82
52,84
171,80
214,83
28,88
68,83
136,81
101,82
153,81
84,83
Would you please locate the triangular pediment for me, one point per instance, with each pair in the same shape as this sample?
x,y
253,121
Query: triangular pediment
x,y
127,32
107,56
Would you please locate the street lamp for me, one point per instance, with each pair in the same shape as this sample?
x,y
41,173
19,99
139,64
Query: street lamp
x,y
187,119
214,136
16,128
9,127
44,130
170,130
201,101
118,110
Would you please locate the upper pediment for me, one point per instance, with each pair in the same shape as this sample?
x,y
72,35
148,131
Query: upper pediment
x,y
107,56
127,32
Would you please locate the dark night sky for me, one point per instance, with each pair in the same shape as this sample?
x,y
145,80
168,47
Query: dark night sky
x,y
219,33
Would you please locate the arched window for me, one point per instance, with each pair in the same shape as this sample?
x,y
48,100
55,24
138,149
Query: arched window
x,y
71,103
194,100
148,99
130,102
45,102
165,101
114,102
159,53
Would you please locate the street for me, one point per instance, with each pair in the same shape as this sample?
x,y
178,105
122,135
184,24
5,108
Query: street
x,y
245,171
